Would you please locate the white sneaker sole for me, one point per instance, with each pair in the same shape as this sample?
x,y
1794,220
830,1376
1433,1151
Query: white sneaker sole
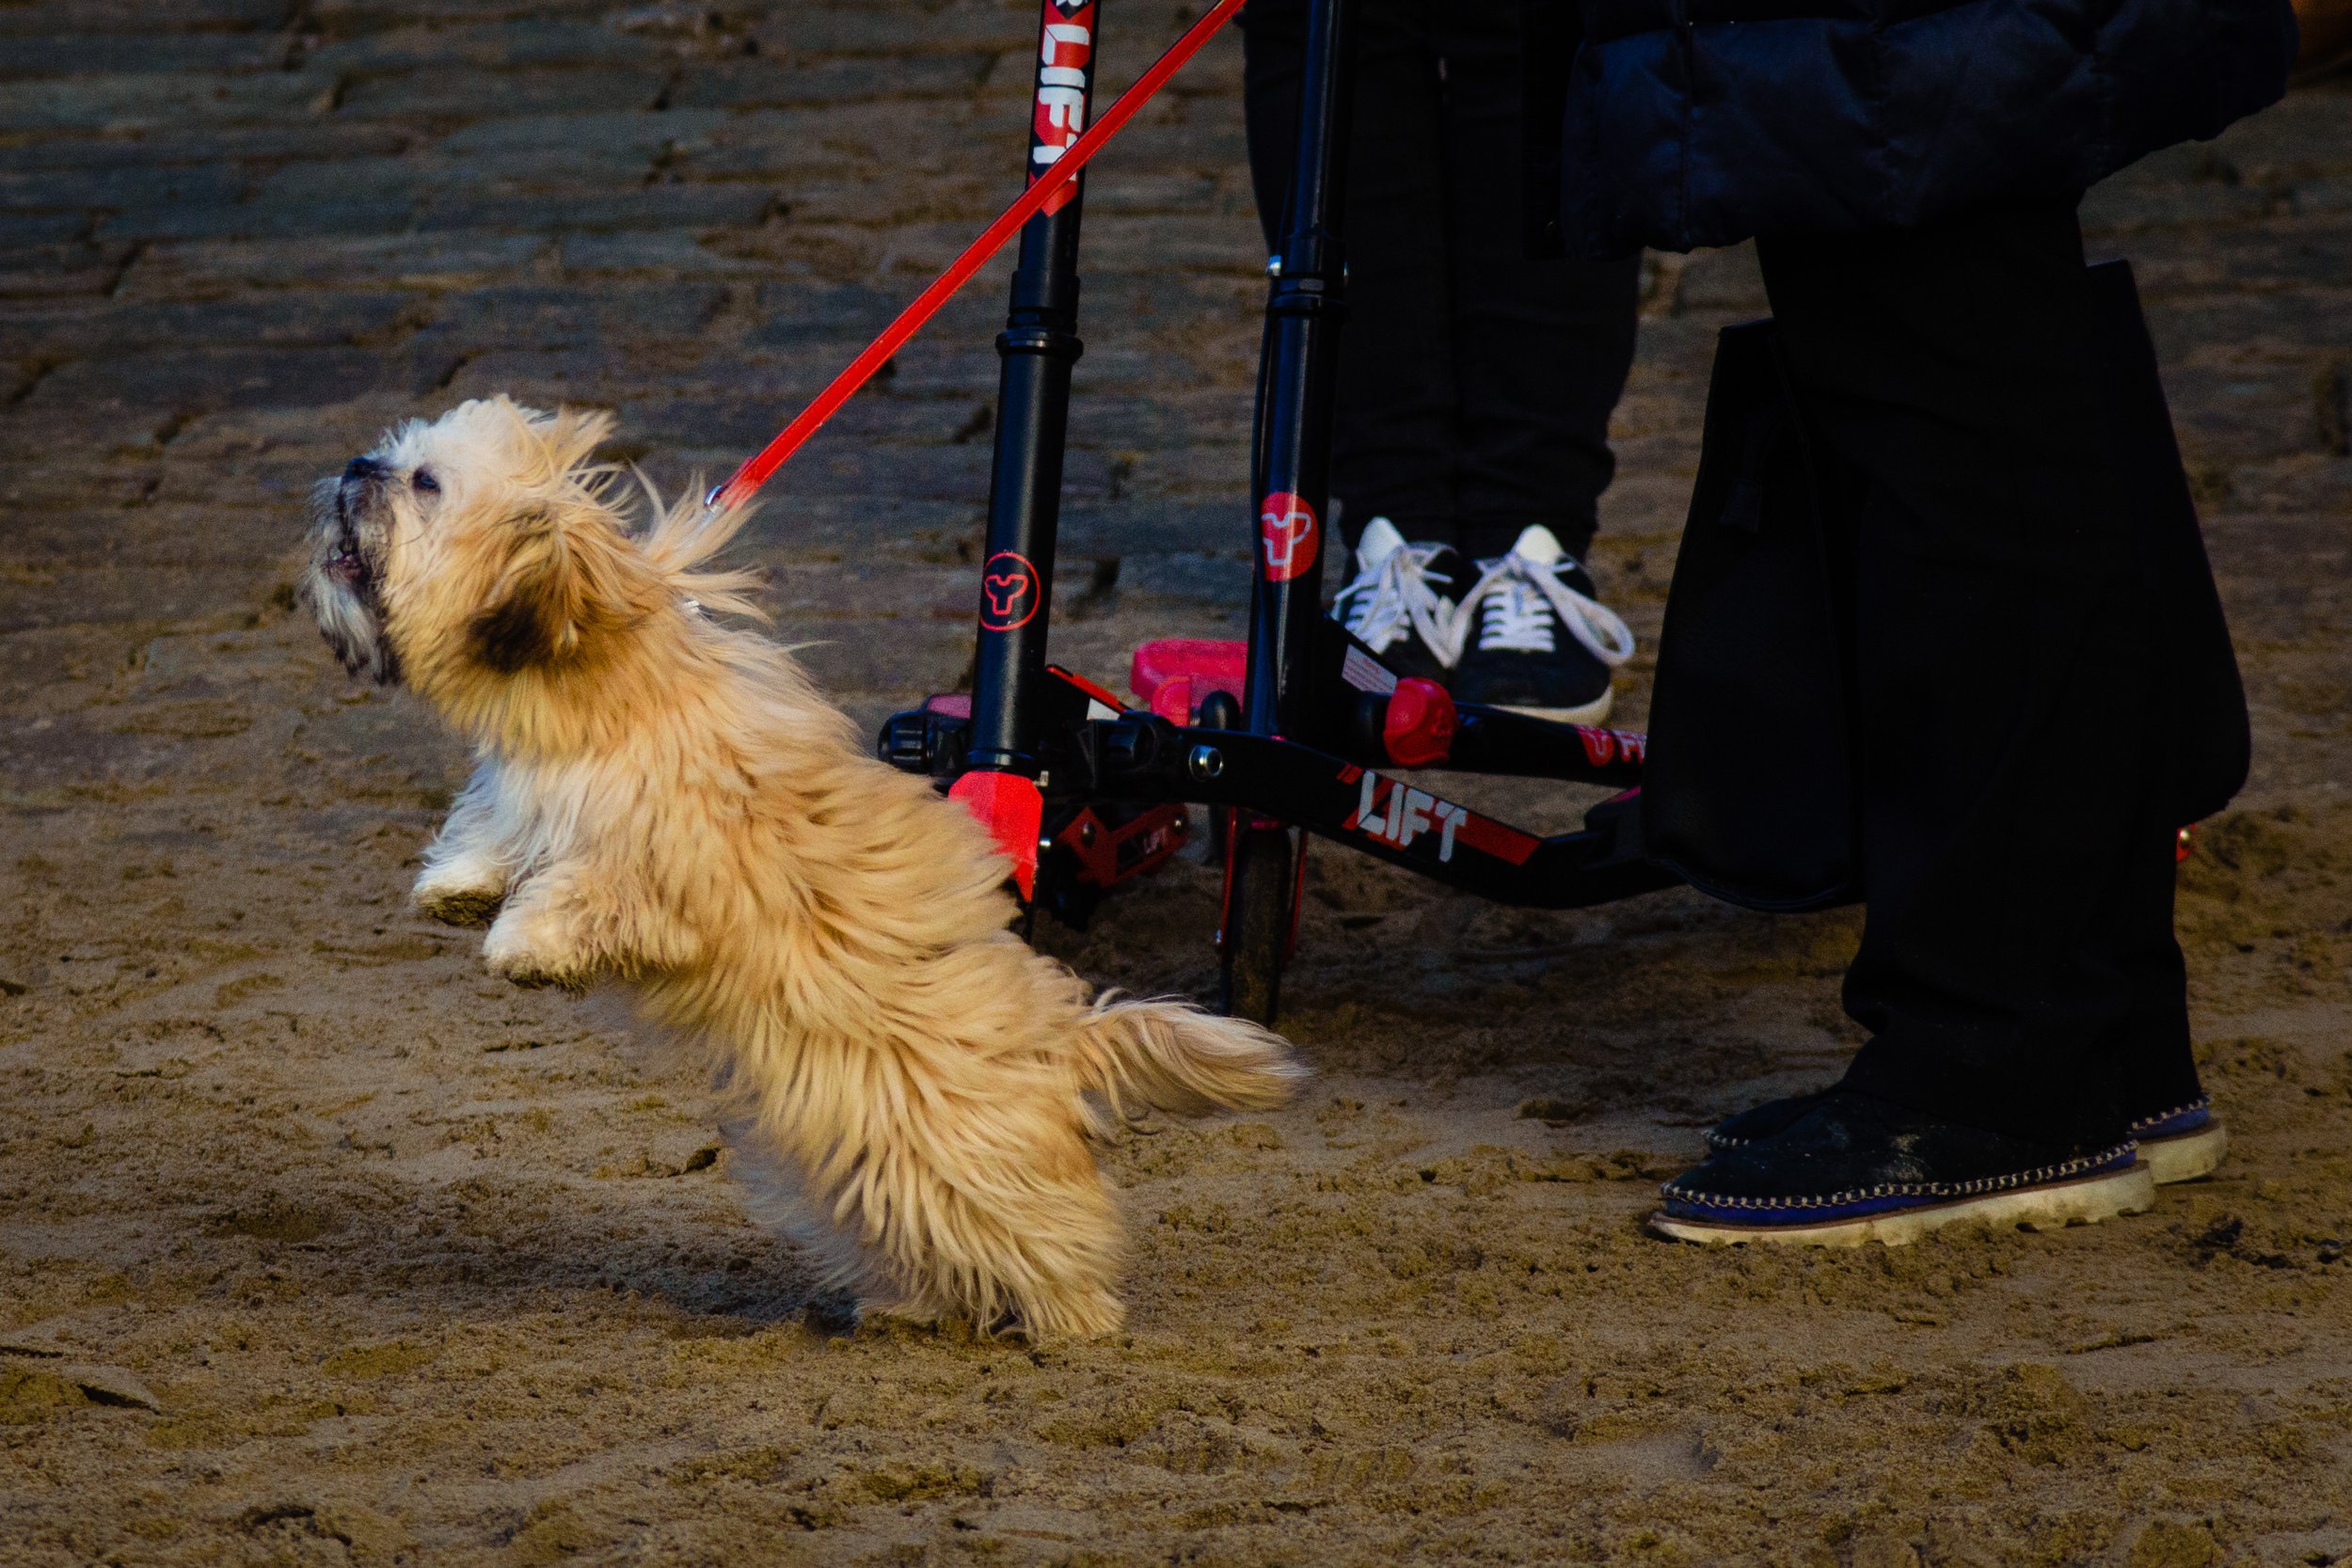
x,y
2086,1201
1591,713
2191,1157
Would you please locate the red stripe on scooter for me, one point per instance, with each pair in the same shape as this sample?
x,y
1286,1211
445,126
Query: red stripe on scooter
x,y
1041,192
1489,837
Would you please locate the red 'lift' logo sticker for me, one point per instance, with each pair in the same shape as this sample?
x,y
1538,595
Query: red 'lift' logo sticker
x,y
1603,747
1288,531
1393,812
1008,591
1065,60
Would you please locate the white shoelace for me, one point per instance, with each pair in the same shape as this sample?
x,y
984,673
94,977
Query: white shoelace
x,y
1520,601
1382,604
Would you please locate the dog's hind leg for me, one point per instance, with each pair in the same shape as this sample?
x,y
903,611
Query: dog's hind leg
x,y
468,868
992,1212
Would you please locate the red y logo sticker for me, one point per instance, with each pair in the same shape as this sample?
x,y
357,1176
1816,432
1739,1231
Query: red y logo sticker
x,y
1008,591
1004,590
1288,531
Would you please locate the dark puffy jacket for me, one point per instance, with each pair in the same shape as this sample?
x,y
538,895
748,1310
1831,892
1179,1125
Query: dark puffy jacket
x,y
1701,123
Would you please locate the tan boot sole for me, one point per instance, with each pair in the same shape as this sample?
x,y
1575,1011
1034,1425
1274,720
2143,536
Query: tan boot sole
x,y
2085,1201
2191,1157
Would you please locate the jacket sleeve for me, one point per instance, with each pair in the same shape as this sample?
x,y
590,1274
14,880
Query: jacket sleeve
x,y
1548,33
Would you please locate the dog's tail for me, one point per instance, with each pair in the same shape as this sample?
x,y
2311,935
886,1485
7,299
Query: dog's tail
x,y
1173,1056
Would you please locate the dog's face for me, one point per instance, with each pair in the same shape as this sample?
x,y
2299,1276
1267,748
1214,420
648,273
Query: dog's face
x,y
479,543
352,519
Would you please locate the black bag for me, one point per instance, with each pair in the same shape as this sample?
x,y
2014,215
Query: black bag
x,y
1750,791
2212,746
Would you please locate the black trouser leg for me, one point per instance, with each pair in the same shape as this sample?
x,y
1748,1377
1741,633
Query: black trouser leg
x,y
2017,969
1541,346
1476,384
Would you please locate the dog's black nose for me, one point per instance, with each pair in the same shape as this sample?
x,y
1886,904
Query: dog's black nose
x,y
362,469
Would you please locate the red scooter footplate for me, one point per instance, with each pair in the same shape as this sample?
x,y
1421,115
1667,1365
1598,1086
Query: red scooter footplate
x,y
1173,675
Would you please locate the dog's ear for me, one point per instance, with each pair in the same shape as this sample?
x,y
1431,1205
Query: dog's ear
x,y
575,433
565,441
568,582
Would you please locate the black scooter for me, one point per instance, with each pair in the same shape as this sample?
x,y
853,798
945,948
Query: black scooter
x,y
1301,730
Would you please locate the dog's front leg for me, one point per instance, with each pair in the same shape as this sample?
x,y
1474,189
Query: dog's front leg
x,y
547,934
468,868
574,923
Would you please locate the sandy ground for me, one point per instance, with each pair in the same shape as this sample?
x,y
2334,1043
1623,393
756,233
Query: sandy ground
x,y
318,1247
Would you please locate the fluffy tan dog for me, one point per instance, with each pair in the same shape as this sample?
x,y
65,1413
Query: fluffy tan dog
x,y
665,799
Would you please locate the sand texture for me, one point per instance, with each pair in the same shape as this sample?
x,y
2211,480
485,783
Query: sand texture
x,y
319,1246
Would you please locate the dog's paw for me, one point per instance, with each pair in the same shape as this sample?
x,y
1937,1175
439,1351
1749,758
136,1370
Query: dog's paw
x,y
466,890
518,962
1072,1313
532,974
453,905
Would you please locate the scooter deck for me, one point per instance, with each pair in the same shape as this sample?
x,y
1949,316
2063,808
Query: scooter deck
x,y
1112,771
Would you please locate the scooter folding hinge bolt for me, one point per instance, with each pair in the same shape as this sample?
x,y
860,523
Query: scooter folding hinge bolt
x,y
1205,762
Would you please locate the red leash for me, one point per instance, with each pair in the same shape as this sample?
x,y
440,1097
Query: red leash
x,y
1041,192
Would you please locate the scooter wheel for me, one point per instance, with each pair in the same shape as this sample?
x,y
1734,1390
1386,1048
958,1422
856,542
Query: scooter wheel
x,y
1257,922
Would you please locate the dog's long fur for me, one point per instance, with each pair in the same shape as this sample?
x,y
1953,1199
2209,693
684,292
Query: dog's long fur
x,y
663,797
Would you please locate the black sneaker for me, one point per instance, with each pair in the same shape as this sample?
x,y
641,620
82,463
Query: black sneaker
x,y
2185,1143
1394,606
1855,1169
1543,644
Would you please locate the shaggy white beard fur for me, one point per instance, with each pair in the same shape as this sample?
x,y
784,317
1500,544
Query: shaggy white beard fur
x,y
663,799
339,586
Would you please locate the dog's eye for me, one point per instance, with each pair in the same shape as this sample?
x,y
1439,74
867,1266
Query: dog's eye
x,y
424,481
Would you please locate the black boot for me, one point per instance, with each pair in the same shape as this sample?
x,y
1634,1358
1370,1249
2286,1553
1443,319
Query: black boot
x,y
1851,1169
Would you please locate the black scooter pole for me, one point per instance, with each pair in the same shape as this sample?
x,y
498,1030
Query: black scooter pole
x,y
1038,346
1292,482
1290,488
